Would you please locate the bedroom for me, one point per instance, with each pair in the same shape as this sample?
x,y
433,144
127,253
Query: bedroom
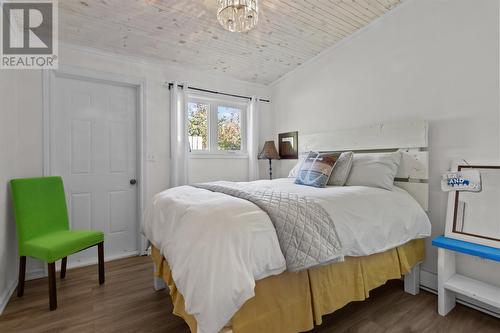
x,y
411,84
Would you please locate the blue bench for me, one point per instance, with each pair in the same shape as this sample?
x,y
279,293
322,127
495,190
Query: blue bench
x,y
482,251
450,283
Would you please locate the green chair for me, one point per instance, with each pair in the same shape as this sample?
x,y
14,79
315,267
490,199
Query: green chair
x,y
43,229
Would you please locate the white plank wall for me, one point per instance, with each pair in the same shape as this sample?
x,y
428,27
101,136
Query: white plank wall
x,y
411,138
414,165
407,135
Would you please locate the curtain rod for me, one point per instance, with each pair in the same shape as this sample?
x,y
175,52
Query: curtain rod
x,y
170,84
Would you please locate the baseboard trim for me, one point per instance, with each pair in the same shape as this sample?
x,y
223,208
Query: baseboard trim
x,y
36,274
6,295
106,259
428,282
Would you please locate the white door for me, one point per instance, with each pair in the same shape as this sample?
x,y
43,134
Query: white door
x,y
93,146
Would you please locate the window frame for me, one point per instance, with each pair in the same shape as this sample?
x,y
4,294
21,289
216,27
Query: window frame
x,y
213,150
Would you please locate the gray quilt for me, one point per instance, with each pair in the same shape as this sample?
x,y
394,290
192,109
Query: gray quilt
x,y
306,232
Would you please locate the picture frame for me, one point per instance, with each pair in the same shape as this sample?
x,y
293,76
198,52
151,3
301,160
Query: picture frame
x,y
288,145
474,216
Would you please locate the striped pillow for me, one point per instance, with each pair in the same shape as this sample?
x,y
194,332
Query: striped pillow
x,y
316,169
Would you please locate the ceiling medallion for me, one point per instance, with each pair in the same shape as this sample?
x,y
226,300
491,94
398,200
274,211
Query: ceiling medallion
x,y
237,15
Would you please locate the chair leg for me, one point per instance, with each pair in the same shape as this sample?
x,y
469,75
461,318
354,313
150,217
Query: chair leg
x,y
22,275
52,286
63,267
100,250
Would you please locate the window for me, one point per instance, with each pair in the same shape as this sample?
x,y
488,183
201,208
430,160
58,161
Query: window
x,y
228,128
216,126
198,125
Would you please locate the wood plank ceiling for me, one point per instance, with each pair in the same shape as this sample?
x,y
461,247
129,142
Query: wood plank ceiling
x,y
186,32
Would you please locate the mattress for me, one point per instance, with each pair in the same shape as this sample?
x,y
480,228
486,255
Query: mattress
x,y
295,302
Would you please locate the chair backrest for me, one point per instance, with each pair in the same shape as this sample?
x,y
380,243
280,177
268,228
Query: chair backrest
x,y
39,207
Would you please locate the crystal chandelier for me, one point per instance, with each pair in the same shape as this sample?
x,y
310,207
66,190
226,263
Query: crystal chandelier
x,y
237,15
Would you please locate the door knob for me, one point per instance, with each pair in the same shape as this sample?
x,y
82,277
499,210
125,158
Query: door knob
x,y
133,182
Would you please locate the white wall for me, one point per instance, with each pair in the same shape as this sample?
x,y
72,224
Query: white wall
x,y
21,151
20,135
431,60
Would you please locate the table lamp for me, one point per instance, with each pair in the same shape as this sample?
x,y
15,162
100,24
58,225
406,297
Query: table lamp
x,y
269,152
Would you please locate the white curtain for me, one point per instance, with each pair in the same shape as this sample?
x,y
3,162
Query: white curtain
x,y
179,144
253,138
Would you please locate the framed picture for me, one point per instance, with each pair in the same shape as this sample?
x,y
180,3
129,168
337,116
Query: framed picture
x,y
474,216
288,145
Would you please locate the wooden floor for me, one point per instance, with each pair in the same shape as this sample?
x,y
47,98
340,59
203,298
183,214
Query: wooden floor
x,y
127,303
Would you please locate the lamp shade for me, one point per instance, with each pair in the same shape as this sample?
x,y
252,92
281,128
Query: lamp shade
x,y
269,152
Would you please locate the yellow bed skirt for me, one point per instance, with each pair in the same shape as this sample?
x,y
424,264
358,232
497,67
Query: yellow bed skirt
x,y
294,302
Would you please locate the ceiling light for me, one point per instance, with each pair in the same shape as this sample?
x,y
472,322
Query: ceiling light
x,y
237,15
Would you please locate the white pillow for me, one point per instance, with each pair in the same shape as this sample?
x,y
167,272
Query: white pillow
x,y
341,169
295,170
374,170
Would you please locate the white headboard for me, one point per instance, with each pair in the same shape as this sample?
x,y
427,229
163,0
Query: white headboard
x,y
410,138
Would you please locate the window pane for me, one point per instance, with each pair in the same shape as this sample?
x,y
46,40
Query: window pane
x,y
228,128
198,126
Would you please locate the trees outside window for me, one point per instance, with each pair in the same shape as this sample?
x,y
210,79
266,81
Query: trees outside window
x,y
198,125
215,126
228,128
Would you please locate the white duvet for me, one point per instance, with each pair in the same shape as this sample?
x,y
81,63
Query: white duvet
x,y
217,246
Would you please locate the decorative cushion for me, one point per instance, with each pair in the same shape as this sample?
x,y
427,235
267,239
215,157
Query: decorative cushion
x,y
374,170
316,169
341,169
295,170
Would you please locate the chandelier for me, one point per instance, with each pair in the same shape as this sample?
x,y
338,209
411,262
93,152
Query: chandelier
x,y
237,15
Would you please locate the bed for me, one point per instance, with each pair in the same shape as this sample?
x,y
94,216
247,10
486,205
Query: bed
x,y
220,256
